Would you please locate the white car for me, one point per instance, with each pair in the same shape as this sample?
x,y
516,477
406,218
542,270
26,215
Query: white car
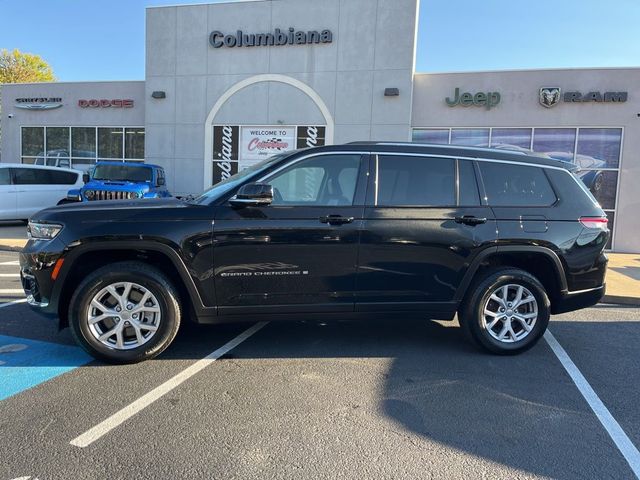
x,y
27,189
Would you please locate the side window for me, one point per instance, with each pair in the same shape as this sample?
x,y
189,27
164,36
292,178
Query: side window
x,y
468,195
509,185
5,176
324,180
62,178
30,176
415,181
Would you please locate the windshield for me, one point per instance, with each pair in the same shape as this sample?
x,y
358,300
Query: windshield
x,y
233,181
124,173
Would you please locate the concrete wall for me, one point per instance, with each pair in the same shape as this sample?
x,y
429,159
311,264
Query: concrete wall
x,y
373,48
520,107
70,114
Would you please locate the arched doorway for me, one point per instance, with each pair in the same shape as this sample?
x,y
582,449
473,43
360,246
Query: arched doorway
x,y
328,127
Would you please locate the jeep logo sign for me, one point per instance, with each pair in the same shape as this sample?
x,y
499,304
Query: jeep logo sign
x,y
480,99
218,39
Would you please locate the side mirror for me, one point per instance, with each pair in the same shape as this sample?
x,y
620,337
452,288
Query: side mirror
x,y
86,178
161,181
253,194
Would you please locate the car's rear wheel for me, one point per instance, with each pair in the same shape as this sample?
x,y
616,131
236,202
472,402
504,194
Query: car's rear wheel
x,y
125,313
506,312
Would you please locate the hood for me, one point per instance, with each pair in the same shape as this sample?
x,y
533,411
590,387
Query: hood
x,y
117,186
98,209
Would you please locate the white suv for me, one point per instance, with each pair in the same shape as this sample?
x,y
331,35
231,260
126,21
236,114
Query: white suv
x,y
27,189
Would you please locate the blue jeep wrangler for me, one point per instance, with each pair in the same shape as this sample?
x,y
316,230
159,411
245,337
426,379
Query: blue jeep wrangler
x,y
121,181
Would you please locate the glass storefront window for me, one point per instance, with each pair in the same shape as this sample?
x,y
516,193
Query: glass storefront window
x,y
602,145
32,141
110,143
83,143
555,141
472,137
438,136
511,137
134,143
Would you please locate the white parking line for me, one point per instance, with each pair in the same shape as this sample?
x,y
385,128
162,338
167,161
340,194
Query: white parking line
x,y
12,262
104,427
11,291
613,428
9,275
8,304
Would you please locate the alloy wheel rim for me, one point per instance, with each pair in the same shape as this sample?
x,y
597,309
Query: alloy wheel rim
x,y
510,313
123,315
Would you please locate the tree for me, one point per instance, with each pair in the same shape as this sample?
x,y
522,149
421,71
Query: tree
x,y
19,67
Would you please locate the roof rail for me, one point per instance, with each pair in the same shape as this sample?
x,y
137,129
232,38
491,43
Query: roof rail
x,y
439,145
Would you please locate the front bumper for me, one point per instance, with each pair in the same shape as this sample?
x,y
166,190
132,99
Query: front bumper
x,y
37,261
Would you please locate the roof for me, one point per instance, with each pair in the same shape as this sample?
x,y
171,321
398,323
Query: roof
x,y
128,164
39,167
451,151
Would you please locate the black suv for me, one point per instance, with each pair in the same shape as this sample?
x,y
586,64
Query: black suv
x,y
502,238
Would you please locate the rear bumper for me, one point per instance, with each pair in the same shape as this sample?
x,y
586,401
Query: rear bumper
x,y
571,301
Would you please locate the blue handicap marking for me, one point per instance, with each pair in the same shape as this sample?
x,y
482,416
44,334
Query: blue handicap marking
x,y
26,363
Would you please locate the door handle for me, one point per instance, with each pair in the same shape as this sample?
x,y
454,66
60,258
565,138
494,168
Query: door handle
x,y
470,220
335,219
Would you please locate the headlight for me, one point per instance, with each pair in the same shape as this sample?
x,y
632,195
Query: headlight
x,y
133,195
89,194
43,231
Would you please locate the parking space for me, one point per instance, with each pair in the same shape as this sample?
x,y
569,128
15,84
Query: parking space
x,y
311,400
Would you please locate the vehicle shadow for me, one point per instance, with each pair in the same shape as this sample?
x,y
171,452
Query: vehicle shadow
x,y
521,411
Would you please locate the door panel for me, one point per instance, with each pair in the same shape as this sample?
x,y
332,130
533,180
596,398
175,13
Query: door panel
x,y
414,256
423,226
298,254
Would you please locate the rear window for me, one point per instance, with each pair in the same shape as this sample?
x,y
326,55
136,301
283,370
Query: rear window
x,y
35,176
415,181
63,178
30,176
509,185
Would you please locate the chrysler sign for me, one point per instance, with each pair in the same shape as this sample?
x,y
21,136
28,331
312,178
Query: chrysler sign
x,y
39,103
292,36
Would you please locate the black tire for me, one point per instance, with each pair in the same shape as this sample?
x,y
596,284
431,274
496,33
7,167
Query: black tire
x,y
65,201
472,318
144,275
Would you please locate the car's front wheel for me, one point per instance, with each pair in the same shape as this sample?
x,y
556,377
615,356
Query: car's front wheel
x,y
506,312
125,312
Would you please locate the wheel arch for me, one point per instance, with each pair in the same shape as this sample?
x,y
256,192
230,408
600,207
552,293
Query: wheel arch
x,y
541,262
85,259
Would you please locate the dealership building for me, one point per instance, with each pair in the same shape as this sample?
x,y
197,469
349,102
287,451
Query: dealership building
x,y
229,84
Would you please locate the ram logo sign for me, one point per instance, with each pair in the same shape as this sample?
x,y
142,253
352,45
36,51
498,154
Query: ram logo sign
x,y
551,96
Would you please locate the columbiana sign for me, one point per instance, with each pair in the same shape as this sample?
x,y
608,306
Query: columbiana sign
x,y
218,39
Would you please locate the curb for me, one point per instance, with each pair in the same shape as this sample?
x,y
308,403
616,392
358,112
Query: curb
x,y
620,300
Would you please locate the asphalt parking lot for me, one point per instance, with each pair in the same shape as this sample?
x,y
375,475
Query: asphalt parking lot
x,y
311,400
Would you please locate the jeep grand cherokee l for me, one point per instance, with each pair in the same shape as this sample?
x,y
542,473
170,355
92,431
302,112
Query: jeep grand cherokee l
x,y
503,239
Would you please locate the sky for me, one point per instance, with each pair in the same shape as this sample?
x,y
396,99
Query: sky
x,y
87,40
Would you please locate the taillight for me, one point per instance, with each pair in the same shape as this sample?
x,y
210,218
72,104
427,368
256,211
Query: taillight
x,y
599,223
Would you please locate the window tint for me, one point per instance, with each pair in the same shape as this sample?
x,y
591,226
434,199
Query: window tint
x,y
62,178
321,181
418,181
510,185
5,177
468,188
30,176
